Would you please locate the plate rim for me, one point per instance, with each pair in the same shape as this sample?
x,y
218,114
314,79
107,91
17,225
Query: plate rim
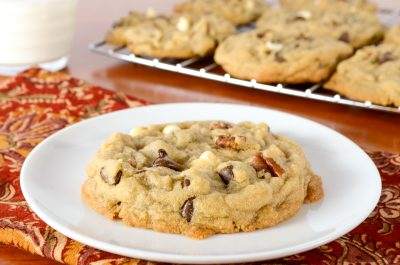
x,y
194,259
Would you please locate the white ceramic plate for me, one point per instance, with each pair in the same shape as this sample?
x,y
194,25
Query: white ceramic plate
x,y
52,175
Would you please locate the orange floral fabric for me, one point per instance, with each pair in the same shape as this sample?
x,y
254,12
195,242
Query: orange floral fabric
x,y
37,103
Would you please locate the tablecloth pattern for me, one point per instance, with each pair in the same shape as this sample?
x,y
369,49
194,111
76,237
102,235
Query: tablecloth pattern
x,y
37,103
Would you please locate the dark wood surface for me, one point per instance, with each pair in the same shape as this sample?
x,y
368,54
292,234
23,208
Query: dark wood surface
x,y
370,129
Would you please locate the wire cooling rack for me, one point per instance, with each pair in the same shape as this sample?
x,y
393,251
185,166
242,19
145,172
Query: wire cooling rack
x,y
206,68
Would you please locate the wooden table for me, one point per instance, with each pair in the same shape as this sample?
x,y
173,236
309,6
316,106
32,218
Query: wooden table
x,y
370,129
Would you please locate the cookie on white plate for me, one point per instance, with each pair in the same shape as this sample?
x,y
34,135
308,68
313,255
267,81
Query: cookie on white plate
x,y
200,178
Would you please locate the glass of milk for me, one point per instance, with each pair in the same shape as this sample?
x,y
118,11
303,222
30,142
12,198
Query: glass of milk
x,y
35,33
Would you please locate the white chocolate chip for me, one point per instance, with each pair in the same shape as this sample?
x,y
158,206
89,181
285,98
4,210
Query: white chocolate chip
x,y
208,155
249,4
305,14
183,24
274,46
169,129
151,13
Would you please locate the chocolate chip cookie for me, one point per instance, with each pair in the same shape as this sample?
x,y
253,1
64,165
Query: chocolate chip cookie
x,y
277,57
321,5
200,178
236,11
116,36
356,28
372,74
393,35
177,36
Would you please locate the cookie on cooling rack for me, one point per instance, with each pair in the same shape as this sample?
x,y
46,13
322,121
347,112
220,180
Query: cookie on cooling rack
x,y
116,36
321,5
393,35
236,11
277,57
200,178
356,28
372,74
177,36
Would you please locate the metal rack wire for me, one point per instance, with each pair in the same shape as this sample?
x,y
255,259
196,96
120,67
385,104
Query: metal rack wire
x,y
206,68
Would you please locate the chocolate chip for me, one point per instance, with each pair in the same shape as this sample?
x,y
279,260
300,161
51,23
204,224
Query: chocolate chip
x,y
302,36
162,153
259,162
345,37
386,57
226,174
114,181
187,209
260,35
185,183
279,58
298,18
220,125
164,161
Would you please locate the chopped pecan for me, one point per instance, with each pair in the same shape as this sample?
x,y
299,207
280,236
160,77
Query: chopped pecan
x,y
259,162
226,141
164,161
113,180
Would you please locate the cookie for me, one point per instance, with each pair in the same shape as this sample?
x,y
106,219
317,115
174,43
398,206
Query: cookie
x,y
372,74
116,36
200,178
356,28
322,5
393,35
277,57
236,11
178,36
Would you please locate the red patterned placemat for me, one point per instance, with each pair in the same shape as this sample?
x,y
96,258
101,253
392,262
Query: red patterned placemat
x,y
37,103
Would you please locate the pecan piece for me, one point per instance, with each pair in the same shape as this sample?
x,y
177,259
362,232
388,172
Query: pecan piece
x,y
259,162
164,161
226,174
187,209
112,181
227,141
